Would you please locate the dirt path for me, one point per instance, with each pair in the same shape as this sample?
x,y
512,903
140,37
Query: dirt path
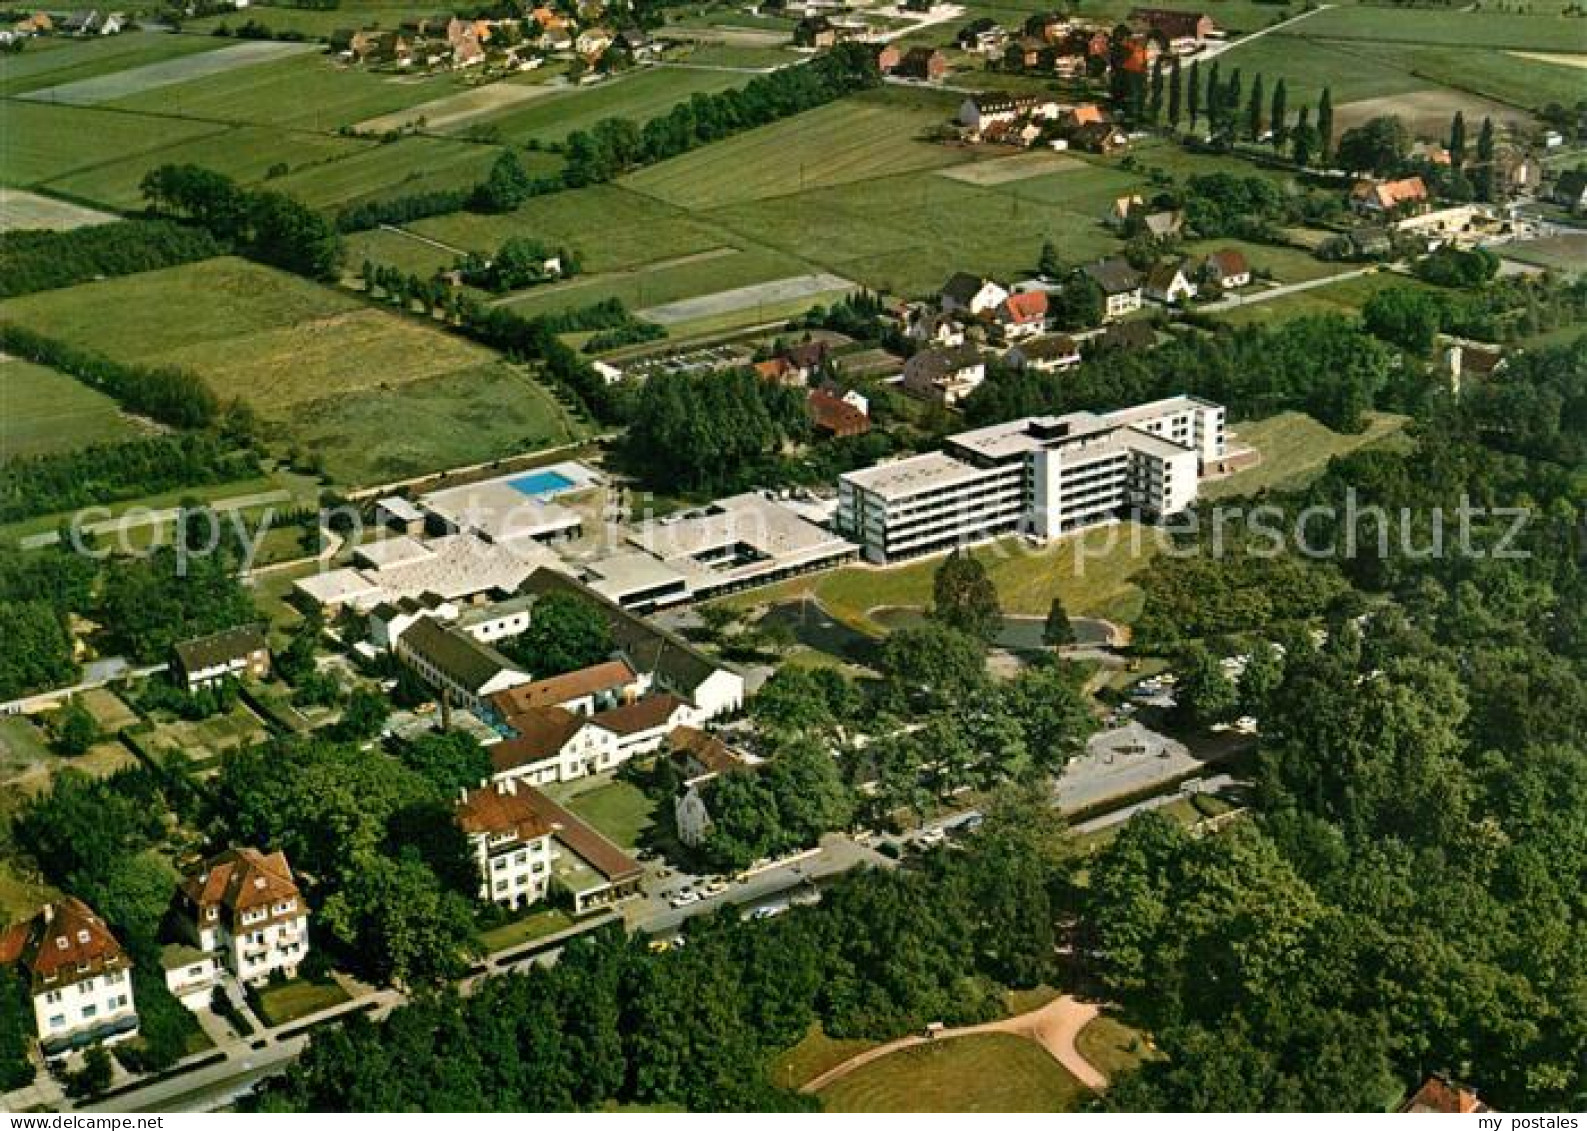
x,y
1054,1027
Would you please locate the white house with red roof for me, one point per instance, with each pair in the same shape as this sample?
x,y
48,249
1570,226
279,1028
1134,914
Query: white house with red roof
x,y
245,906
1024,314
78,976
511,843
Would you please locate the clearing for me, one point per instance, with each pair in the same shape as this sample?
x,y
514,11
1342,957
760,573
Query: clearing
x,y
992,1072
21,211
1296,449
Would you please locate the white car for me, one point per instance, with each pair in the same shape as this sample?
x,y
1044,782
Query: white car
x,y
715,887
684,898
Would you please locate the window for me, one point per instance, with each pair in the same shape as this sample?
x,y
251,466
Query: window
x,y
90,1011
86,987
53,997
57,1020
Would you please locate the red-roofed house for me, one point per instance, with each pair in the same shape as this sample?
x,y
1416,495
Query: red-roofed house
x,y
78,976
1439,1096
1226,267
511,841
1406,194
246,907
835,416
1023,314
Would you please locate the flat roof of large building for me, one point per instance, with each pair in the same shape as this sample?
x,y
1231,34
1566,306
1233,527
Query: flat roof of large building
x,y
453,567
1136,413
998,442
913,475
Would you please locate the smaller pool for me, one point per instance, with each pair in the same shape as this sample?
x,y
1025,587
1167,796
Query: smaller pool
x,y
541,484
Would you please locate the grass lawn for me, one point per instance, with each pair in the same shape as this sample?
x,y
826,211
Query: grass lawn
x,y
20,898
202,740
535,925
43,410
1506,75
1295,450
278,1004
23,746
619,811
1530,30
1346,297
1285,264
992,1072
108,710
1114,1047
1308,66
1091,572
1566,253
814,1054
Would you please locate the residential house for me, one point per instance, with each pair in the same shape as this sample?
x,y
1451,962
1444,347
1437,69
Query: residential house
x,y
1120,283
1382,197
1098,137
851,397
778,371
807,358
1183,32
1163,225
945,376
591,43
637,45
1045,355
1169,282
1225,268
1570,191
1085,114
77,975
593,871
817,32
1025,52
888,56
1461,360
465,671
932,327
1121,209
191,975
982,110
236,653
1023,315
971,294
926,64
834,416
1440,1095
245,906
511,843
466,41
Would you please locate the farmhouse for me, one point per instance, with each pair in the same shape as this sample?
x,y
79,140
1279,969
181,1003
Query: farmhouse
x,y
1098,137
510,841
245,907
1120,283
1042,476
236,653
79,978
979,111
1181,31
945,376
833,416
927,64
1168,282
1380,197
1225,268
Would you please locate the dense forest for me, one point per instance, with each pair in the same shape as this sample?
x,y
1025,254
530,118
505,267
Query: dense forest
x,y
41,260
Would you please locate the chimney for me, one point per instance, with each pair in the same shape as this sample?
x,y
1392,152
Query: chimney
x,y
508,787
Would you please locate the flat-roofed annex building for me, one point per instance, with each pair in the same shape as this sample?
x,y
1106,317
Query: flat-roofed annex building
x,y
1044,476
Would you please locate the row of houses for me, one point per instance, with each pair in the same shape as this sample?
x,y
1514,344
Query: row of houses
x,y
82,24
242,915
1058,44
1026,119
448,40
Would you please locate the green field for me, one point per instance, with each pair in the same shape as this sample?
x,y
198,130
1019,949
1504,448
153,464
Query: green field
x,y
288,1001
1504,75
315,22
640,96
44,142
1307,66
1458,28
42,410
50,62
858,139
1295,450
990,1072
814,1054
1346,297
1560,253
411,165
1112,1046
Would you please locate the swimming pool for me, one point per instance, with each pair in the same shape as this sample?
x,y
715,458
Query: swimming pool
x,y
541,484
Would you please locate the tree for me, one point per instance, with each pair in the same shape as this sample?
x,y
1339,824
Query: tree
x,y
1050,266
38,651
405,928
791,701
506,186
1079,304
363,715
1325,128
964,597
1278,117
1175,92
1377,146
1303,138
1057,632
1255,111
1155,108
1045,702
451,760
293,237
1264,672
1485,152
1457,140
1204,694
16,1031
566,633
75,728
934,664
1193,100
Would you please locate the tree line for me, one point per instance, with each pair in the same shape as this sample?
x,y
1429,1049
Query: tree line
x,y
45,260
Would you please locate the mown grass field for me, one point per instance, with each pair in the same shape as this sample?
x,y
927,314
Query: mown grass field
x,y
1561,253
620,811
43,410
48,62
1296,449
1531,30
1345,297
1505,75
814,1054
159,75
991,1072
411,165
44,142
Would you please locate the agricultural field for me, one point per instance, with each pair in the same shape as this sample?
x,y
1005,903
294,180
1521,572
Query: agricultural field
x,y
44,411
317,23
1559,253
22,211
640,95
992,1072
1520,79
858,139
44,143
411,165
51,62
141,79
371,390
1521,31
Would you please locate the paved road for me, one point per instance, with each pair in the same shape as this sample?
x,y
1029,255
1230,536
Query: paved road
x,y
1119,816
1216,49
96,674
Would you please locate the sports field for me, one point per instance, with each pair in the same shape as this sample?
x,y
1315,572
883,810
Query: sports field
x,y
42,410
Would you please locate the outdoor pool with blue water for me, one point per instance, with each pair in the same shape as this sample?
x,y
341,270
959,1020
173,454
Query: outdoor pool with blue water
x,y
541,484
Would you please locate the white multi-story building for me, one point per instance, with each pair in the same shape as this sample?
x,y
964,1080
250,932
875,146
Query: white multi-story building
x,y
78,976
1041,476
245,906
511,842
